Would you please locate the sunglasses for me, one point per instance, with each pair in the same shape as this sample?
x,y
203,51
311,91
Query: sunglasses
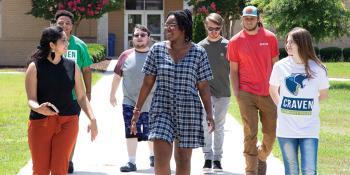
x,y
216,29
140,35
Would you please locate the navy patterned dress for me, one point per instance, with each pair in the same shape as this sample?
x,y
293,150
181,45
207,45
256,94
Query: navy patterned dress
x,y
176,108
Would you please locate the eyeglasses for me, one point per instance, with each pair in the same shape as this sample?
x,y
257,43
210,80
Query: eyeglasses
x,y
141,35
216,29
170,26
64,40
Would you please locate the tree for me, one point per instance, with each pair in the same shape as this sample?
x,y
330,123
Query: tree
x,y
82,9
228,9
325,19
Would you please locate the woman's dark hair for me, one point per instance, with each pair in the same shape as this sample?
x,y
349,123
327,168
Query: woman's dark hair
x,y
303,40
49,34
184,22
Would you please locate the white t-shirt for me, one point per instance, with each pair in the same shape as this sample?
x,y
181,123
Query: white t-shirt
x,y
298,109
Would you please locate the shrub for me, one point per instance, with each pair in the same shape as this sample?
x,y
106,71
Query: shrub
x,y
317,51
283,53
329,54
97,52
346,54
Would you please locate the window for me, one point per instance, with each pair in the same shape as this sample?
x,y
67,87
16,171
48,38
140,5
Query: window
x,y
144,5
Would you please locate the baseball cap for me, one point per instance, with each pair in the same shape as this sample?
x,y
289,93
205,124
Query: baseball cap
x,y
250,11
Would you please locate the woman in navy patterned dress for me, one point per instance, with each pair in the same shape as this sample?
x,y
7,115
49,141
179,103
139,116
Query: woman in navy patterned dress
x,y
180,69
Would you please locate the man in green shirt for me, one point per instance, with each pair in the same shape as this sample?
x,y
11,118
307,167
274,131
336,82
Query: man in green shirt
x,y
77,51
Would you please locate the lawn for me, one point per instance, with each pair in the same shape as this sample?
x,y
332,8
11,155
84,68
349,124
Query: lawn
x,y
334,143
14,152
338,69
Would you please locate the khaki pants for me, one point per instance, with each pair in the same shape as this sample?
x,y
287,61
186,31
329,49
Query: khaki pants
x,y
254,107
51,141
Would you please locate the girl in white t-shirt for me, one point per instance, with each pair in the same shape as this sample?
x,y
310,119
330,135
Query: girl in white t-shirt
x,y
297,84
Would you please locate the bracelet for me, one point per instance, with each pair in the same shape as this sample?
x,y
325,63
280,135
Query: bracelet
x,y
136,109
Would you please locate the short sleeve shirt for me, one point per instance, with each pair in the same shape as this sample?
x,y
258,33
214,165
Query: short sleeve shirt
x,y
176,92
78,52
253,54
298,109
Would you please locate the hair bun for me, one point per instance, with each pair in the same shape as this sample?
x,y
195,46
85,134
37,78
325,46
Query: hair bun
x,y
188,14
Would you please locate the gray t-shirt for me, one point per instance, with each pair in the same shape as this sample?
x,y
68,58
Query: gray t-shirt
x,y
220,85
129,66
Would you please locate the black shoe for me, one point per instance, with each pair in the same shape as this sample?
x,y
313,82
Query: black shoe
x,y
128,167
70,167
151,159
207,166
261,167
217,166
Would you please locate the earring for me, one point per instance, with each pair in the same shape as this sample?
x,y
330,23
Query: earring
x,y
52,54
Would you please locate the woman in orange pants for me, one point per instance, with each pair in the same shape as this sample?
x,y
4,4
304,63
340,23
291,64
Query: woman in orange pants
x,y
53,124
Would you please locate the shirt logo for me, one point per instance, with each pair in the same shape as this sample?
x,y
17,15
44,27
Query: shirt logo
x,y
294,82
297,106
72,55
263,44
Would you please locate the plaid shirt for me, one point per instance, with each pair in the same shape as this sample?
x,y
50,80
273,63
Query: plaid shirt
x,y
176,99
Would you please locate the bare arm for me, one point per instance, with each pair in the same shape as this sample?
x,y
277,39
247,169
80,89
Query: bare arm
x,y
87,76
274,94
31,90
205,94
84,103
323,94
234,78
114,88
274,60
147,85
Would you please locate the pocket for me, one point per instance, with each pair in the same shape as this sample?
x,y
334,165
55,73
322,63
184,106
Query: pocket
x,y
38,122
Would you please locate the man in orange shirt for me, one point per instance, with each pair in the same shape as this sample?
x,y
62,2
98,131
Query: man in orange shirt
x,y
252,53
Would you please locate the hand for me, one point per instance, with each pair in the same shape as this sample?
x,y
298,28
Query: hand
x,y
211,124
113,100
47,109
92,127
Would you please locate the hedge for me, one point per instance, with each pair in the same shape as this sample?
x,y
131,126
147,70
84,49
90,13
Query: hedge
x,y
97,52
346,54
329,54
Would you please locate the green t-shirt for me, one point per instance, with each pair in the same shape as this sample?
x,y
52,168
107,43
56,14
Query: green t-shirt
x,y
78,52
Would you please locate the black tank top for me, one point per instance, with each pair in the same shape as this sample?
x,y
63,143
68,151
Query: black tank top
x,y
55,84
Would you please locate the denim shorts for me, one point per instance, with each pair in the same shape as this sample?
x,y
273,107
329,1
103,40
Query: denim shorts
x,y
142,124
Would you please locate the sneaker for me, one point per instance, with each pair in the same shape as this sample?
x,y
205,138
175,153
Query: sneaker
x,y
261,167
128,167
151,159
70,167
217,166
207,166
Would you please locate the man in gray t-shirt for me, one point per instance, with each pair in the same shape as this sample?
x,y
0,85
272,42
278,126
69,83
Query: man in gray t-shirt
x,y
129,67
215,45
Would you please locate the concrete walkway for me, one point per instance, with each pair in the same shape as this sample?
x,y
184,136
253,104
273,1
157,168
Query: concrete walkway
x,y
108,152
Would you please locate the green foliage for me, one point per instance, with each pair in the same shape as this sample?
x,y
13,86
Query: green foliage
x,y
82,9
199,30
346,54
330,54
283,53
325,19
97,52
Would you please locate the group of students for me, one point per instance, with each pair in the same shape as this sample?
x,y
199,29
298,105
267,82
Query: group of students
x,y
166,86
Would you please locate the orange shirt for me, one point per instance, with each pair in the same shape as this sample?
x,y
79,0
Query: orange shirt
x,y
254,54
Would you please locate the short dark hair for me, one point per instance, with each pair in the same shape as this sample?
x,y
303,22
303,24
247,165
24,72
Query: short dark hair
x,y
142,28
60,13
184,21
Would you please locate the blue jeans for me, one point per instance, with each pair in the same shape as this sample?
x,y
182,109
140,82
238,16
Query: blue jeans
x,y
308,151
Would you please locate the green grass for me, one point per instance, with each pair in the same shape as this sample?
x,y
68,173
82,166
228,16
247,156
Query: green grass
x,y
338,69
334,142
14,151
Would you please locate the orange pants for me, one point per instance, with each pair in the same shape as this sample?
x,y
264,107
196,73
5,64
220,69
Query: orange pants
x,y
51,141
